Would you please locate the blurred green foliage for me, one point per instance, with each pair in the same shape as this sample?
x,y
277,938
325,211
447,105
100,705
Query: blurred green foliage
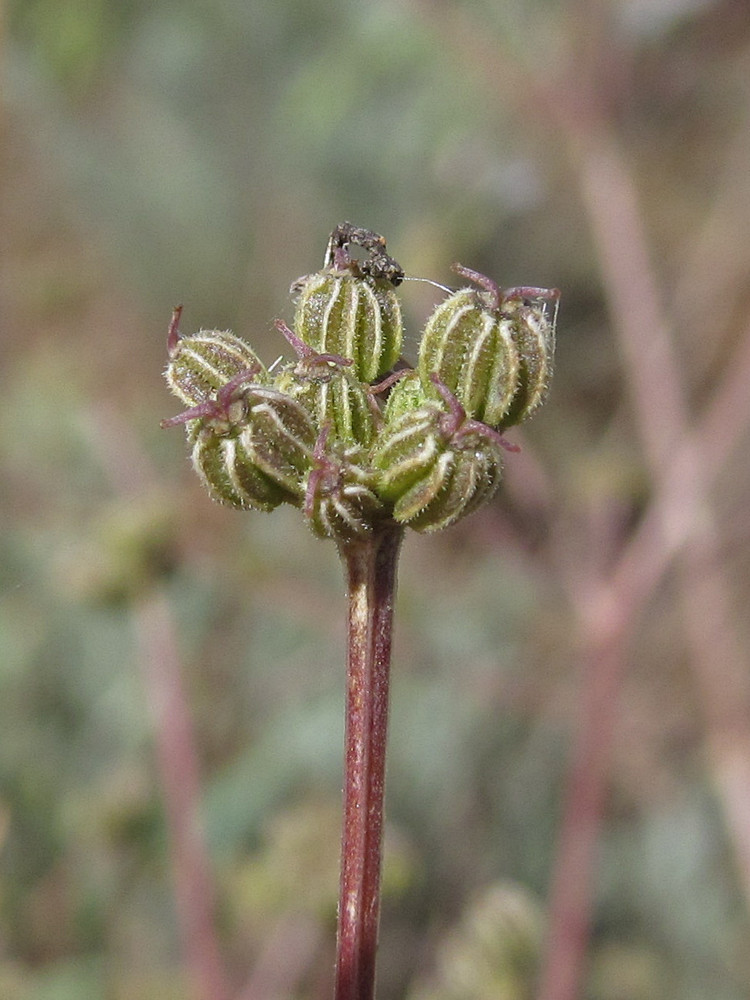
x,y
200,153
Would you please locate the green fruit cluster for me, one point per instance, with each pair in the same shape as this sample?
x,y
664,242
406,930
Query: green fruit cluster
x,y
347,431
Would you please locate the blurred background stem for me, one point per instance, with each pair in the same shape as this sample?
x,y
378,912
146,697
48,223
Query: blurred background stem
x,y
132,477
718,659
580,98
179,772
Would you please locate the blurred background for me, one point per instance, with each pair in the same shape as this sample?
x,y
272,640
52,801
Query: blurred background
x,y
569,769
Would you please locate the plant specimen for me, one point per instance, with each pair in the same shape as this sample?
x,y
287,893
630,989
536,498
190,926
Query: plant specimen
x,y
365,446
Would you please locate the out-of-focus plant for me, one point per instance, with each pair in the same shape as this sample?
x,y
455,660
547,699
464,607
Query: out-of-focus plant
x,y
316,434
167,140
492,953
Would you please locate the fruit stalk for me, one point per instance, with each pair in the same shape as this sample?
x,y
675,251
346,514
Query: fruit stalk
x,y
370,565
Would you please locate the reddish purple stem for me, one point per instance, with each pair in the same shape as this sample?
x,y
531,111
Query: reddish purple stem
x,y
370,566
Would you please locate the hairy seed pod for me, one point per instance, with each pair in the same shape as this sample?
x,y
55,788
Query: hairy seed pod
x,y
230,475
340,501
436,467
534,335
406,395
491,348
252,445
280,438
331,395
201,363
354,316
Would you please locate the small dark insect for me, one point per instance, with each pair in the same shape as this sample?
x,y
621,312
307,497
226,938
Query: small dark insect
x,y
378,265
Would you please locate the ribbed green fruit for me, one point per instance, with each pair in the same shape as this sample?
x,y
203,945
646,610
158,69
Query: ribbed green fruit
x,y
433,472
332,396
201,363
406,395
492,349
252,446
534,336
226,468
340,500
356,317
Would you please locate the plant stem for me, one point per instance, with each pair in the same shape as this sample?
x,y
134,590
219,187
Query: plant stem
x,y
177,759
370,566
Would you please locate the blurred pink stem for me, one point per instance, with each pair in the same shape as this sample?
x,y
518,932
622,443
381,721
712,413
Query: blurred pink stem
x,y
131,475
685,518
287,955
608,611
179,772
680,520
569,908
